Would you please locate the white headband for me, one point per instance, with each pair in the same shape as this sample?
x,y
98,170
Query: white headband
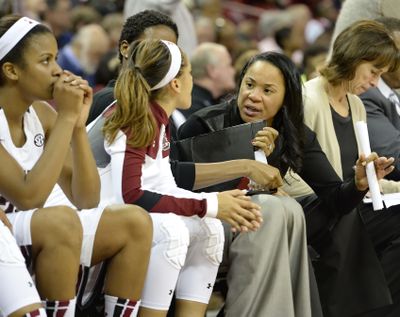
x,y
14,34
176,61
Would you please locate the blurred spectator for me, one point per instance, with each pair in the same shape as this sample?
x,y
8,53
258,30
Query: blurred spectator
x,y
327,12
314,58
177,10
242,60
109,64
105,7
283,37
247,33
213,76
325,38
208,8
58,18
290,36
6,7
107,70
236,10
83,55
205,29
355,10
301,16
113,24
313,30
227,36
269,23
34,8
83,15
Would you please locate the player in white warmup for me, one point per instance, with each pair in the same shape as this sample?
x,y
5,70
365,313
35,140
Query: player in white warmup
x,y
39,148
188,240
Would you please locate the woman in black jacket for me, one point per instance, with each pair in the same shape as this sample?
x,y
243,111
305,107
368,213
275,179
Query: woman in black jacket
x,y
270,89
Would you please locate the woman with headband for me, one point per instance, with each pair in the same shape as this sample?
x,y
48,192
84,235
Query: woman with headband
x,y
39,148
187,240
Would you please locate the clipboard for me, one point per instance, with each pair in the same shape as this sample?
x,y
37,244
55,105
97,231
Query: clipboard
x,y
226,144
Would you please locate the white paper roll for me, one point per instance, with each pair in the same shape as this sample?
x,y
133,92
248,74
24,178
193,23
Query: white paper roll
x,y
259,155
363,141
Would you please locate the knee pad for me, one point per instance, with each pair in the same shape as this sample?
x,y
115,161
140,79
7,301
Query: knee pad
x,y
176,240
9,250
215,237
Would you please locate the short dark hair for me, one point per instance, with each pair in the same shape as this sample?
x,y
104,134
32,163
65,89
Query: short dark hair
x,y
282,35
313,51
136,24
363,41
51,4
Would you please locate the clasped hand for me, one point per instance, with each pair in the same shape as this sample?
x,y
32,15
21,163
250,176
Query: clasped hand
x,y
237,209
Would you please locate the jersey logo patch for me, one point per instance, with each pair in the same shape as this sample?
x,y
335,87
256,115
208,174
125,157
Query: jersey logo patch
x,y
165,143
39,140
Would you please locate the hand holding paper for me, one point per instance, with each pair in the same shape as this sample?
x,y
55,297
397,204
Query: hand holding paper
x,y
382,165
265,140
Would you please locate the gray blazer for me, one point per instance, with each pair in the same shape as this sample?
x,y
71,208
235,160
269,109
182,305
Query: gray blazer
x,y
383,126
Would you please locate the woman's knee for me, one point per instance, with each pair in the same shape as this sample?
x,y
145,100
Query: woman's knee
x,y
293,209
57,225
134,221
214,239
272,209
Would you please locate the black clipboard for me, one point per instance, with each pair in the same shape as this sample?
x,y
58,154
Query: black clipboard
x,y
223,145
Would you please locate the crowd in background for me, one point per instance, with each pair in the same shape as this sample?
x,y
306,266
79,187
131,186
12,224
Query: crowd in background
x,y
88,31
219,38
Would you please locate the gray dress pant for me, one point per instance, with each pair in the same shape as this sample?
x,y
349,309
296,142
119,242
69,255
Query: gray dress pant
x,y
268,270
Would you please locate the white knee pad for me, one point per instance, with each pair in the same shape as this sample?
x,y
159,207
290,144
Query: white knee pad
x,y
170,230
197,277
214,245
9,251
17,289
21,224
168,255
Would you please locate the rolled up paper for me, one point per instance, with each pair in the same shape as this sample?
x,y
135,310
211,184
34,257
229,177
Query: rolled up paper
x,y
363,142
259,155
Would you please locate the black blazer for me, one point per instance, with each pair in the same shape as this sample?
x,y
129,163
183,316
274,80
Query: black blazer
x,y
383,126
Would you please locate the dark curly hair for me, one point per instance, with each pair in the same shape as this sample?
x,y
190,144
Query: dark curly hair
x,y
136,24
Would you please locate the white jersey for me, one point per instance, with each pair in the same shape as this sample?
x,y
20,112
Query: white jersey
x,y
12,265
26,155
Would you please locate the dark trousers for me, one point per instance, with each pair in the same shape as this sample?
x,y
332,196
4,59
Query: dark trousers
x,y
349,274
384,229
